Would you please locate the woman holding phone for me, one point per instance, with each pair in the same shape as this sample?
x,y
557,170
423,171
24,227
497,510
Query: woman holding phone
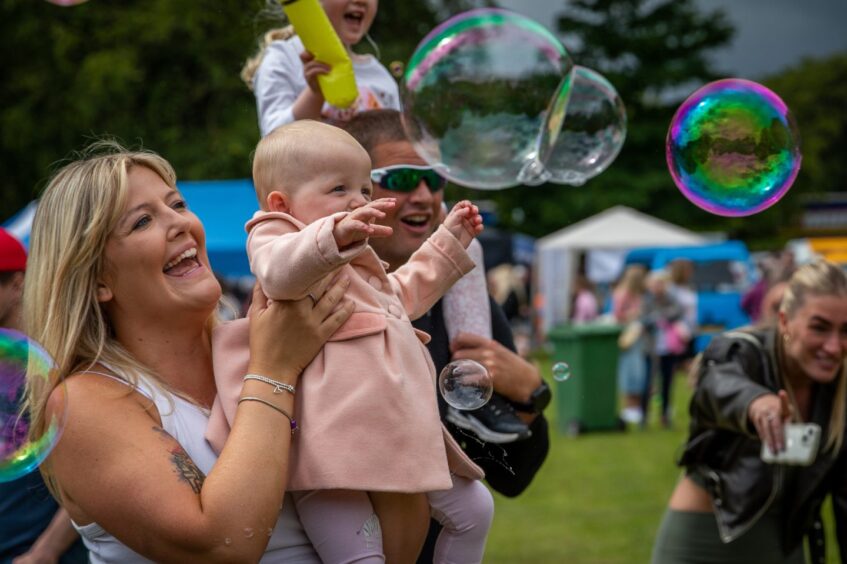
x,y
731,506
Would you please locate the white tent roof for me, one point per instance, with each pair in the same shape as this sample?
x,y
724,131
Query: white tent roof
x,y
620,227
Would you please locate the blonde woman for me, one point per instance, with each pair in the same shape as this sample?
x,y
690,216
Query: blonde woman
x,y
627,307
732,507
120,292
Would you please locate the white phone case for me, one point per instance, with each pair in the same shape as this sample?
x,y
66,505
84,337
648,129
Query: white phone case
x,y
801,445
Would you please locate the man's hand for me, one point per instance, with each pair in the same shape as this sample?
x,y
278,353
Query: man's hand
x,y
464,222
359,224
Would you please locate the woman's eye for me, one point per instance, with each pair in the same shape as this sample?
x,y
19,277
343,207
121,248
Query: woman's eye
x,y
141,222
179,205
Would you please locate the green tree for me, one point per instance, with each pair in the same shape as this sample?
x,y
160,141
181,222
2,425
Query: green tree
x,y
159,73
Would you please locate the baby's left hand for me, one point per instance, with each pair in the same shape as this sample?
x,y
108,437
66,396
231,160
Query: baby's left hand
x,y
464,222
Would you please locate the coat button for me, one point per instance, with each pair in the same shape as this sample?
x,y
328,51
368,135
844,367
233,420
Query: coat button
x,y
394,311
375,282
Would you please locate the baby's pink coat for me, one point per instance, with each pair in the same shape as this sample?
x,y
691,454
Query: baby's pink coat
x,y
366,405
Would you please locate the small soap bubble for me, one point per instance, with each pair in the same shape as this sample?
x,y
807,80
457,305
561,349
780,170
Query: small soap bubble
x,y
465,384
561,371
248,532
483,96
21,450
733,148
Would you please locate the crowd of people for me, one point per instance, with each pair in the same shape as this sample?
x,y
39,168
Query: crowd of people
x,y
311,430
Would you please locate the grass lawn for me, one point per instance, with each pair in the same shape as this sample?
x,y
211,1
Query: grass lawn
x,y
598,498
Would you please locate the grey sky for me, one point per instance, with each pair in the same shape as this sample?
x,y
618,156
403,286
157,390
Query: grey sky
x,y
770,34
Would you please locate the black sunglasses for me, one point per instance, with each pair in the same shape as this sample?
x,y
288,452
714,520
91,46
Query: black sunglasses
x,y
406,178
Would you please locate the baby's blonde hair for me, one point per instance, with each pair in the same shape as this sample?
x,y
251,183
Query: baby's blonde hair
x,y
286,157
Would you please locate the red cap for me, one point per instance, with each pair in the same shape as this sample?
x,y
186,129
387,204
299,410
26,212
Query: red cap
x,y
12,253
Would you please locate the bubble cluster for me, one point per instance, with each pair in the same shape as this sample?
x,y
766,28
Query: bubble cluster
x,y
561,372
484,95
21,451
733,148
593,130
465,384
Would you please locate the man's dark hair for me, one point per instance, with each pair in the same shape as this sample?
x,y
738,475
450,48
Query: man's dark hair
x,y
375,127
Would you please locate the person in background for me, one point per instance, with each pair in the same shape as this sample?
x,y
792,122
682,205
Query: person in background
x,y
731,507
627,308
509,467
664,320
284,76
33,528
585,307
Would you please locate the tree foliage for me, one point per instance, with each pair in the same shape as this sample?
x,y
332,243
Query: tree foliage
x,y
159,73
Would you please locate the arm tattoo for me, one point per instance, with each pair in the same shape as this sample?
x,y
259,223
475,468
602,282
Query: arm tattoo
x,y
184,467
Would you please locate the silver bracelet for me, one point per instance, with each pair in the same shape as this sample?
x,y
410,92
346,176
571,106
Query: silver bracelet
x,y
291,421
279,387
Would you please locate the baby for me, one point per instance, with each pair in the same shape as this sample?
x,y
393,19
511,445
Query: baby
x,y
370,439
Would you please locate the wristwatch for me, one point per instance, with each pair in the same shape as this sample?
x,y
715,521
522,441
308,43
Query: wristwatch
x,y
539,399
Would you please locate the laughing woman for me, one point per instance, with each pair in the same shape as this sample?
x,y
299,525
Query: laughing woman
x,y
121,294
731,506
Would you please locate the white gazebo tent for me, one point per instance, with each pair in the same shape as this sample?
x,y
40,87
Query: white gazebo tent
x,y
616,229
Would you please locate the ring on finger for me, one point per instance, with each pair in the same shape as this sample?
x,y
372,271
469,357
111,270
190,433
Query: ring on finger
x,y
313,298
770,416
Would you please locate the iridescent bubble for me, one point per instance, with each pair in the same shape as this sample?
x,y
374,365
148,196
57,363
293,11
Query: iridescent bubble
x,y
465,384
561,371
484,95
20,450
66,3
593,131
733,148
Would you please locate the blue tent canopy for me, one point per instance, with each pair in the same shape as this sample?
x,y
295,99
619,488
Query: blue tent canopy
x,y
658,257
224,206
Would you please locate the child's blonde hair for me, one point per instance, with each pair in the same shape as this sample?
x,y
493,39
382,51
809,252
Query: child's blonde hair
x,y
283,158
251,65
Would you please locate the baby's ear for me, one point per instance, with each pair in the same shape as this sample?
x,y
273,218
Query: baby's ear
x,y
278,202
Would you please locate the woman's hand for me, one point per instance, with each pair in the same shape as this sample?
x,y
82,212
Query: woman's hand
x,y
286,335
769,413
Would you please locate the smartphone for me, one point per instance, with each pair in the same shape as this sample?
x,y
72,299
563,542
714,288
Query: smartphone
x,y
801,445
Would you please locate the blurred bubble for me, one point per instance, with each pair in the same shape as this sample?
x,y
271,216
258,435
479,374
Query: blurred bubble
x,y
593,131
20,453
465,384
484,95
66,3
733,148
561,371
396,68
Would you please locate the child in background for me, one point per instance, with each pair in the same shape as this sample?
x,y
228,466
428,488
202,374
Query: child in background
x,y
284,77
371,437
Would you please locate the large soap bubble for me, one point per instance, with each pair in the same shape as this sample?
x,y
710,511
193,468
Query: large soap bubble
x,y
20,450
733,148
593,131
484,95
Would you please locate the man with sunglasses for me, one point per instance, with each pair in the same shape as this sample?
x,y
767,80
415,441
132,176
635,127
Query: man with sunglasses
x,y
399,172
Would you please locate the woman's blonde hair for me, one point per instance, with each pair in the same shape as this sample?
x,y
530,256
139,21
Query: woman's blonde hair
x,y
634,279
76,214
248,71
821,278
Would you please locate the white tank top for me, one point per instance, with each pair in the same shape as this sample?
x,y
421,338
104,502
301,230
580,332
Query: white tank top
x,y
186,423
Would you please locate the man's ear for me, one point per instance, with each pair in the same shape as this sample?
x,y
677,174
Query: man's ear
x,y
278,202
104,293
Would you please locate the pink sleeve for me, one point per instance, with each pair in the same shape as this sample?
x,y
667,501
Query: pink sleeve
x,y
430,272
466,307
288,261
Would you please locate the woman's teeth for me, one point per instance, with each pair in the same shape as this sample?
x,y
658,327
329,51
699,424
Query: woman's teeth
x,y
190,253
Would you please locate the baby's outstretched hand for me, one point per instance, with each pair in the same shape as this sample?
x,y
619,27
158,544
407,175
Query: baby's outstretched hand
x,y
464,222
359,224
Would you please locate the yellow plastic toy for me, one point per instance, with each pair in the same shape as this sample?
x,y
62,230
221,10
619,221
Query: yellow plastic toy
x,y
319,38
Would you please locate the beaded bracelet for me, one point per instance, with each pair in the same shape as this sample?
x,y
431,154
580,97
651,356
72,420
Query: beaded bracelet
x,y
279,387
291,420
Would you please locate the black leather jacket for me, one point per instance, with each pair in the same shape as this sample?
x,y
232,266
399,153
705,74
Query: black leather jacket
x,y
723,450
